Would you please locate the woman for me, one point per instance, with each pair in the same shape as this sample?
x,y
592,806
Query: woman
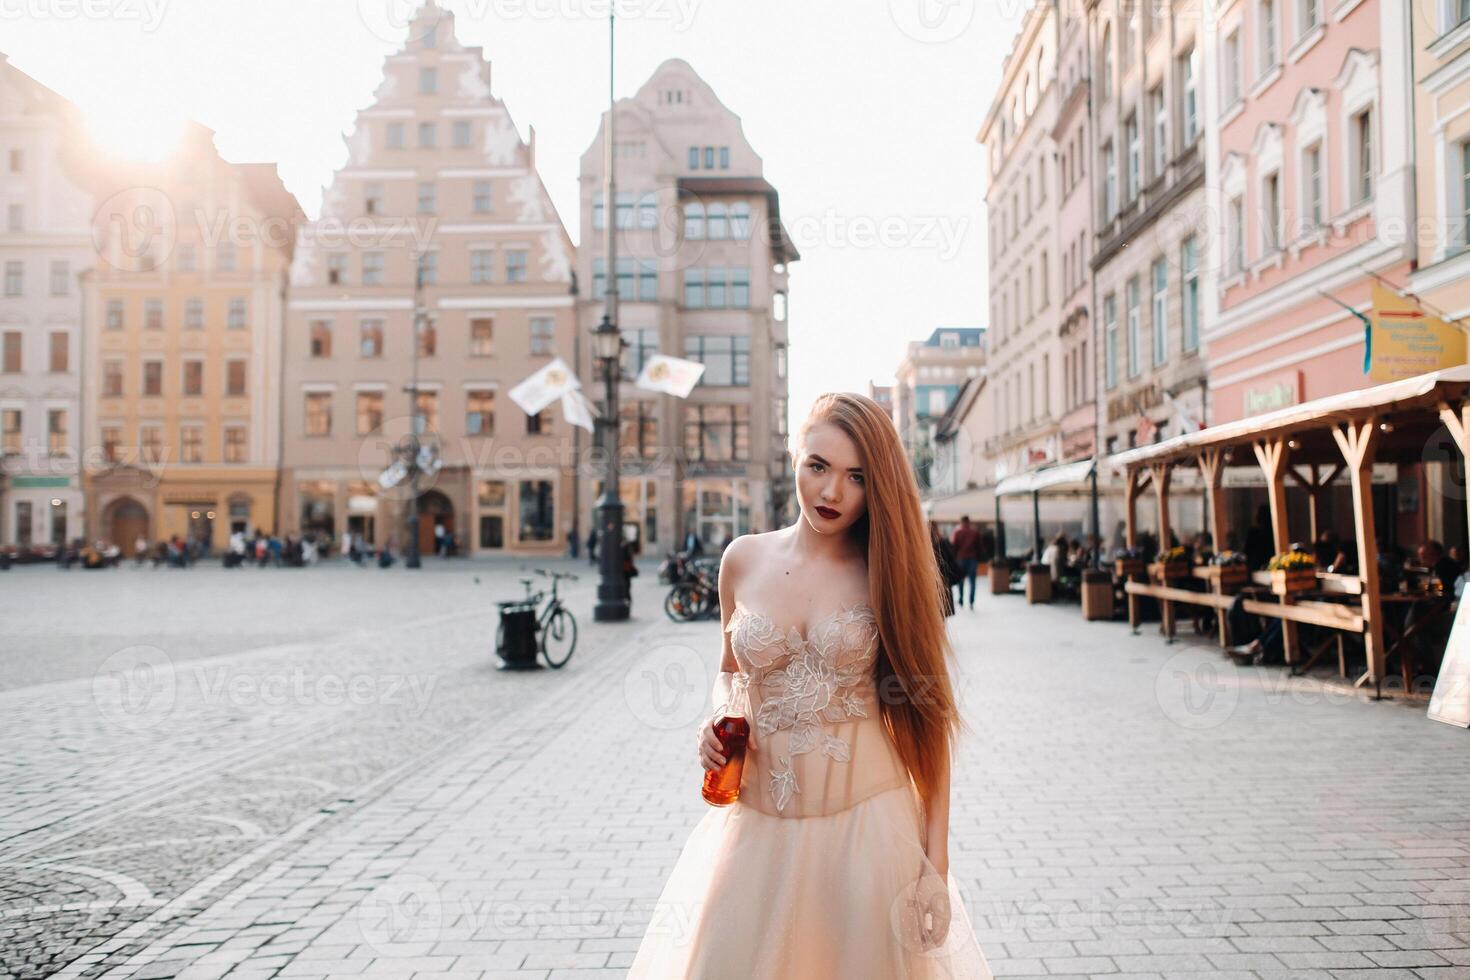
x,y
834,861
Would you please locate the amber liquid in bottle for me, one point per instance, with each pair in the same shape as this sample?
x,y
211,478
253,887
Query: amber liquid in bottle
x,y
722,785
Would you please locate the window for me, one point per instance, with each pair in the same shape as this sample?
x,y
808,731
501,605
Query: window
x,y
111,439
724,158
12,342
426,412
781,361
1188,98
428,135
1362,159
482,265
17,161
625,277
638,428
1135,329
60,277
642,345
1135,159
15,218
191,444
694,158
227,257
740,221
427,332
1161,131
428,81
624,206
539,423
717,433
150,442
15,278
369,412
1465,190
188,258
194,313
537,512
236,314
709,158
714,288
320,339
1189,288
394,137
1312,186
235,376
483,197
1106,71
234,444
726,358
372,268
1158,310
153,314
12,443
336,268
482,337
543,336
1110,183
479,418
461,134
1266,32
194,377
372,198
114,314
112,378
647,281
429,268
428,197
515,265
370,338
648,210
1271,213
693,289
60,352
1235,232
718,226
318,413
152,378
1307,17
693,221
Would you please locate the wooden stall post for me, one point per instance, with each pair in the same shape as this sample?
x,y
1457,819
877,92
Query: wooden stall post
x,y
1271,454
1132,486
1161,473
1315,484
1356,440
1212,469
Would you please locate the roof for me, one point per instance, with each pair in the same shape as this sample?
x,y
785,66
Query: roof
x,y
1409,406
959,408
1066,475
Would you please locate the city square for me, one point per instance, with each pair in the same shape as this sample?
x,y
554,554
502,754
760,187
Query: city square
x,y
320,772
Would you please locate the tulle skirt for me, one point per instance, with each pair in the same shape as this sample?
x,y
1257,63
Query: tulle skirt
x,y
754,895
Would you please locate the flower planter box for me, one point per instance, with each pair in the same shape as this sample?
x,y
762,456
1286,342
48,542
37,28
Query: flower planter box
x,y
1130,567
1285,581
1233,577
1000,578
1097,594
1174,570
1038,583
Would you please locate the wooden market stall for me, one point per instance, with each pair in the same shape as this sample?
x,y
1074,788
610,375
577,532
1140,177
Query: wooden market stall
x,y
1309,444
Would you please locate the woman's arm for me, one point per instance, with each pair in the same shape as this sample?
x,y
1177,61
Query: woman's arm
x,y
936,826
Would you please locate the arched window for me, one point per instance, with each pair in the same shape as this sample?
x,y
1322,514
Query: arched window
x,y
718,225
740,220
1105,61
694,220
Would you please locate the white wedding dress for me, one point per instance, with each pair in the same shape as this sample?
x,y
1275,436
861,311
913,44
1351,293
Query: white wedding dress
x,y
818,870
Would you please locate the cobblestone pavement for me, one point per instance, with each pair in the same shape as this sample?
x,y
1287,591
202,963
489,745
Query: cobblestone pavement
x,y
1121,808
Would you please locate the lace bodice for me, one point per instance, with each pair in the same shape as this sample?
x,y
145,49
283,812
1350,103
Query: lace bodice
x,y
819,739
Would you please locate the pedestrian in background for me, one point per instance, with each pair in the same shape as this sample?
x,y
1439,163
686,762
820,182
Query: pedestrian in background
x,y
966,543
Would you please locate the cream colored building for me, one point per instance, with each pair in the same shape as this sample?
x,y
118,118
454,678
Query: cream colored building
x,y
927,382
182,345
702,263
45,243
438,178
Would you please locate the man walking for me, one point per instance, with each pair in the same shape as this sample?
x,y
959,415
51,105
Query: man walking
x,y
966,543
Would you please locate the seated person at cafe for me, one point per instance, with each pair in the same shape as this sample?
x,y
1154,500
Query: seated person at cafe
x,y
1442,569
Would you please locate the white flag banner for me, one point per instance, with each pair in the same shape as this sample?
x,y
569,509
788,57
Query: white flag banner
x,y
578,410
544,387
1183,418
671,375
393,475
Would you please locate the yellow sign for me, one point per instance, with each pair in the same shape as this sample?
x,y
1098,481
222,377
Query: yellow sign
x,y
1405,341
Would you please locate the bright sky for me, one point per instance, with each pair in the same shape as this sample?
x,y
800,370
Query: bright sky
x,y
865,112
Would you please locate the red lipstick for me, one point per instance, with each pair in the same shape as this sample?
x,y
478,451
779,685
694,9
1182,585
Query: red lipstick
x,y
829,513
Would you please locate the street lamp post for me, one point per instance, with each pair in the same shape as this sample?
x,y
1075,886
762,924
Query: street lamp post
x,y
411,546
607,348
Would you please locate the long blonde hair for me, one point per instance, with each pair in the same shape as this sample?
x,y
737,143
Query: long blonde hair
x,y
916,694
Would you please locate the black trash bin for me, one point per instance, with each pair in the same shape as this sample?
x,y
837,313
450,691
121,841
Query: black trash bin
x,y
516,641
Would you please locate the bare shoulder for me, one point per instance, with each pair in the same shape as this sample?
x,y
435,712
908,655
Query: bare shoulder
x,y
739,555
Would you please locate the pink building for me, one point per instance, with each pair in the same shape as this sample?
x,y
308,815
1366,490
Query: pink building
x,y
1310,178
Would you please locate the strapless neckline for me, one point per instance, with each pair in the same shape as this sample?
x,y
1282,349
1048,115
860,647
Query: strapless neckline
x,y
805,637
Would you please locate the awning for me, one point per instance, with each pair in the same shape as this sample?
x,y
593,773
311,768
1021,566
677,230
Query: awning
x,y
1071,475
979,504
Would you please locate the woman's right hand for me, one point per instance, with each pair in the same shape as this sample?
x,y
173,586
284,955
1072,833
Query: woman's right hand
x,y
711,752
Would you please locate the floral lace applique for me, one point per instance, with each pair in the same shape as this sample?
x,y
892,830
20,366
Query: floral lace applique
x,y
805,681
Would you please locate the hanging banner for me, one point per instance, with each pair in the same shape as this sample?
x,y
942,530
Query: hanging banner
x,y
1404,341
671,375
544,387
577,410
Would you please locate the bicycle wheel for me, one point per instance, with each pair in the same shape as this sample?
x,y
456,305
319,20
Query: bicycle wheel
x,y
682,603
559,638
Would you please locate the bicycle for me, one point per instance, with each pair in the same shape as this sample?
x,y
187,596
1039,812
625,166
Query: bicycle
x,y
696,590
556,627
